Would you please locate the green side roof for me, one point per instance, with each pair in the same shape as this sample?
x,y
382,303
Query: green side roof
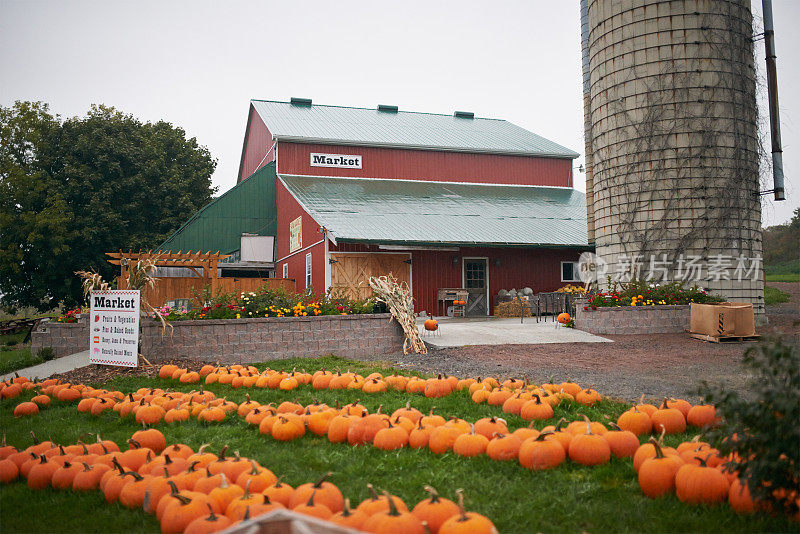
x,y
409,211
341,125
248,207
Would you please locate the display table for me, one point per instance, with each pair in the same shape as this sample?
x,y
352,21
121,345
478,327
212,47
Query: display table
x,y
445,295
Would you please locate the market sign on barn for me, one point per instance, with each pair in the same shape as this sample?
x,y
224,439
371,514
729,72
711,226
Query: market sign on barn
x,y
341,161
114,328
296,234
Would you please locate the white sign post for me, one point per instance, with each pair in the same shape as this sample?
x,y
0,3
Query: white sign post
x,y
114,327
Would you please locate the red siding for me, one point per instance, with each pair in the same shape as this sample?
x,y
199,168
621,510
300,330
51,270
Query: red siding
x,y
539,269
289,210
257,142
294,158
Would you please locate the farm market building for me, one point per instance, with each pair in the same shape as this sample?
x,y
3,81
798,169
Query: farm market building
x,y
439,201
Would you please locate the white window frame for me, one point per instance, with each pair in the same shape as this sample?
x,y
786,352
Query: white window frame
x,y
574,270
286,270
309,268
464,275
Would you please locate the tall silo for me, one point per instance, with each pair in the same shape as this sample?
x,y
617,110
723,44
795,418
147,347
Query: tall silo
x,y
673,141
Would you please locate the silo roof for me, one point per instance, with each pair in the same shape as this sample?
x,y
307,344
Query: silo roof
x,y
402,129
414,211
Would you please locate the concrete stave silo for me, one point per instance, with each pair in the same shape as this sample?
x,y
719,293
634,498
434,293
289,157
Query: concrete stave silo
x,y
672,143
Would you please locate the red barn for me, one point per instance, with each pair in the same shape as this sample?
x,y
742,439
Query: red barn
x,y
440,201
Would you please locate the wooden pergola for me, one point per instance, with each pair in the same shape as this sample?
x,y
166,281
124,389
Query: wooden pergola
x,y
205,261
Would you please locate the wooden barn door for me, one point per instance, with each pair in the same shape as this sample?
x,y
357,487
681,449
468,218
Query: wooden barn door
x,y
350,272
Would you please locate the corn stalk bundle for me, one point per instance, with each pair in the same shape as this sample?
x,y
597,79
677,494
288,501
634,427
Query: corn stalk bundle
x,y
398,298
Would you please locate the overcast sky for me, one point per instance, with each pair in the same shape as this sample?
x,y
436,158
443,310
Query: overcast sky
x,y
198,63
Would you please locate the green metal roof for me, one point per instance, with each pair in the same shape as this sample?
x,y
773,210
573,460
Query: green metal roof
x,y
409,211
248,207
402,129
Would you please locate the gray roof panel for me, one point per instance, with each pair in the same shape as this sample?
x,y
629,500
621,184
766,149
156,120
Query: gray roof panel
x,y
408,211
402,129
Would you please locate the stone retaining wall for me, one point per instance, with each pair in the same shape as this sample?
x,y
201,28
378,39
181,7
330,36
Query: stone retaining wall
x,y
244,340
632,319
65,338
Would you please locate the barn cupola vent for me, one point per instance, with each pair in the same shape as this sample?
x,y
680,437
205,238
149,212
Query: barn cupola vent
x,y
296,101
387,108
464,114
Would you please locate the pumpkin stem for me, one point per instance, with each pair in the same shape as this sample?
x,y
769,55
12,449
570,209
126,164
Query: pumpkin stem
x,y
561,423
614,426
246,494
659,452
202,448
346,512
211,516
588,424
266,499
392,508
371,489
166,472
222,454
319,482
224,483
167,460
87,467
433,492
35,439
664,404
118,466
134,474
460,493
311,499
663,432
246,513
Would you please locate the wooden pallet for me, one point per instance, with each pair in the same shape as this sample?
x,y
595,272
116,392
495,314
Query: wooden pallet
x,y
724,339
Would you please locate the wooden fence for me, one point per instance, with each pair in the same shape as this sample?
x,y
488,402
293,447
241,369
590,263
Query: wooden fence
x,y
167,289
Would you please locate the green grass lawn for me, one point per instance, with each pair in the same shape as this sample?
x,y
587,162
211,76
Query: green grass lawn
x,y
787,271
13,356
773,296
570,498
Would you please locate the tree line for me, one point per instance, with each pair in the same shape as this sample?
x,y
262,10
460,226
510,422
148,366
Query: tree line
x,y
73,189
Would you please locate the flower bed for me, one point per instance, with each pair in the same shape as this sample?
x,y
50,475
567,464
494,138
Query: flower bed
x,y
651,319
642,293
266,302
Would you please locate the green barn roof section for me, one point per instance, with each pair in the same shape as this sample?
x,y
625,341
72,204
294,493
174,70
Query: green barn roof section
x,y
386,126
248,207
411,211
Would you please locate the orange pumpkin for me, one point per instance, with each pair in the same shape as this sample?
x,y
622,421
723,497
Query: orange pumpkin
x,y
431,325
564,318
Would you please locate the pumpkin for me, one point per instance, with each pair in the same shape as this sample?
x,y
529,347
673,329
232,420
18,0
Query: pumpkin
x,y
589,448
363,430
326,493
379,503
623,443
442,439
41,400
287,429
467,522
540,453
26,408
280,492
489,426
635,421
64,475
503,447
671,420
699,484
8,471
564,318
41,473
431,325
208,524
420,436
648,450
393,520
181,510
657,474
471,444
150,438
89,478
391,438
257,477
349,518
740,499
241,512
699,416
132,494
313,509
435,510
225,493
535,409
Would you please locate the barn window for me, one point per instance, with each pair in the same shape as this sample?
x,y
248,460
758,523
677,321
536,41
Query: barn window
x,y
286,270
308,269
569,271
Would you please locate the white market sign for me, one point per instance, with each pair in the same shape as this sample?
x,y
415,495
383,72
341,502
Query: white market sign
x,y
341,161
114,328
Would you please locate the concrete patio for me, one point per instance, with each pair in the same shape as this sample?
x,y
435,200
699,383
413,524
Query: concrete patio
x,y
460,332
